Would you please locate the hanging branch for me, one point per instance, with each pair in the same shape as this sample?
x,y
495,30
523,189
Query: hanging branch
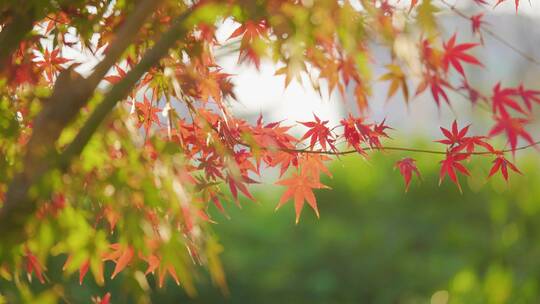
x,y
71,92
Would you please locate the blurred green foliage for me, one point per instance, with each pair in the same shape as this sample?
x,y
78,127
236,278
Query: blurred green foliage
x,y
374,243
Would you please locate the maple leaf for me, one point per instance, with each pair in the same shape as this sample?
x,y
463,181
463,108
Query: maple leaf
x,y
469,144
378,131
318,132
212,165
272,135
239,183
113,79
502,99
502,164
426,16
436,85
330,73
514,128
454,137
453,54
361,98
147,114
397,80
406,168
292,71
83,269
300,189
516,3
154,263
52,63
452,163
528,96
313,164
348,68
283,159
481,2
252,32
457,140
106,299
476,24
352,134
34,266
121,256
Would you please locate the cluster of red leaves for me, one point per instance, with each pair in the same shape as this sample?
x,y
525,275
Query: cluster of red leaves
x,y
407,167
460,147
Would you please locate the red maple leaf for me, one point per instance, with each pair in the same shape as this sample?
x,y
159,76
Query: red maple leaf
x,y
502,164
481,2
406,167
514,128
436,85
352,135
239,183
377,132
455,54
52,63
318,132
477,22
502,99
116,78
34,266
83,269
300,189
452,163
105,300
147,114
454,137
528,96
469,144
516,3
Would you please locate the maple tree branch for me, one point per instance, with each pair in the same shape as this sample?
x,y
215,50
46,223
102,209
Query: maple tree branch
x,y
381,148
70,93
493,34
122,88
123,38
390,148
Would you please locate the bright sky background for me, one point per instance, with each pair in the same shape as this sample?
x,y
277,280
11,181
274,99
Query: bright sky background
x,y
261,91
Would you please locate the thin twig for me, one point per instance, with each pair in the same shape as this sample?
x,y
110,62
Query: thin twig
x,y
390,148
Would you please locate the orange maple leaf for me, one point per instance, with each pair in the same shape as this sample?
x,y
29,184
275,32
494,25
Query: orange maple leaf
x,y
300,187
